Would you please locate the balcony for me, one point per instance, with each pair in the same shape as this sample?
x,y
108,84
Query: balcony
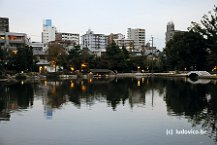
x,y
18,41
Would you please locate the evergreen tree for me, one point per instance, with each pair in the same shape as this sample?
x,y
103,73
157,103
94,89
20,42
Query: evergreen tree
x,y
24,59
208,29
116,58
186,51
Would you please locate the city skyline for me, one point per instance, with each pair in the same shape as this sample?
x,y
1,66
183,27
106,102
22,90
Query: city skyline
x,y
104,17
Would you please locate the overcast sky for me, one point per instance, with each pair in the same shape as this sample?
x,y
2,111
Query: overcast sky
x,y
104,16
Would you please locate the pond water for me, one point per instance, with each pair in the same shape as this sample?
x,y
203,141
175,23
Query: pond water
x,y
130,111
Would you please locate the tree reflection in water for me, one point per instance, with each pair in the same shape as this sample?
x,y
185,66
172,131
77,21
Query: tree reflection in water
x,y
15,97
196,102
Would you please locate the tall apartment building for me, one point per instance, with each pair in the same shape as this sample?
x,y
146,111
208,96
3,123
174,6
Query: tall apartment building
x,y
4,24
171,31
96,43
138,36
49,31
74,38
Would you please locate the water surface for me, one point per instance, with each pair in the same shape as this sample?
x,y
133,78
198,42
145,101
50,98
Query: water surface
x,y
108,112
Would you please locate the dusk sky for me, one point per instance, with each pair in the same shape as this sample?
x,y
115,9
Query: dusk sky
x,y
105,17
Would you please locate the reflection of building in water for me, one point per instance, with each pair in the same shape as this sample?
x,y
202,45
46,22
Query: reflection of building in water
x,y
4,105
42,92
136,97
15,97
54,96
4,109
48,111
5,115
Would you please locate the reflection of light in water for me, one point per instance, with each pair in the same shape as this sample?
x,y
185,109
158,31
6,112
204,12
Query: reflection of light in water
x,y
53,90
147,81
208,97
83,88
22,82
205,111
48,111
199,81
72,85
82,82
143,79
45,83
90,81
138,83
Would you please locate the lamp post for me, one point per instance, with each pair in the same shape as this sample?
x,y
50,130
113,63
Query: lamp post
x,y
152,92
152,56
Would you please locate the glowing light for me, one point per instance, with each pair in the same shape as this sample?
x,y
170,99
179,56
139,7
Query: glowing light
x,y
90,81
45,83
215,68
40,69
138,83
72,68
83,65
72,85
14,52
83,88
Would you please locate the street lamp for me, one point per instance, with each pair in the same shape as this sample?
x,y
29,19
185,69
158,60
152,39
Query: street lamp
x,y
138,68
152,56
83,65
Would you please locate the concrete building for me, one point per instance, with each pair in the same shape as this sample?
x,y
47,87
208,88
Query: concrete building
x,y
40,55
12,41
138,36
96,43
171,31
127,43
38,50
74,38
49,31
113,37
4,24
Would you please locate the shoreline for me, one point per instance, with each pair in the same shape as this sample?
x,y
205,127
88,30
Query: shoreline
x,y
39,77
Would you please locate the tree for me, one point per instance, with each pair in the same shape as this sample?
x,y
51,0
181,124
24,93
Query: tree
x,y
3,56
125,52
208,29
24,59
186,51
115,57
74,57
57,54
132,47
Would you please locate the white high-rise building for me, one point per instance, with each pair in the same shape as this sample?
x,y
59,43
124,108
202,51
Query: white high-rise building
x,y
49,31
96,43
138,36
